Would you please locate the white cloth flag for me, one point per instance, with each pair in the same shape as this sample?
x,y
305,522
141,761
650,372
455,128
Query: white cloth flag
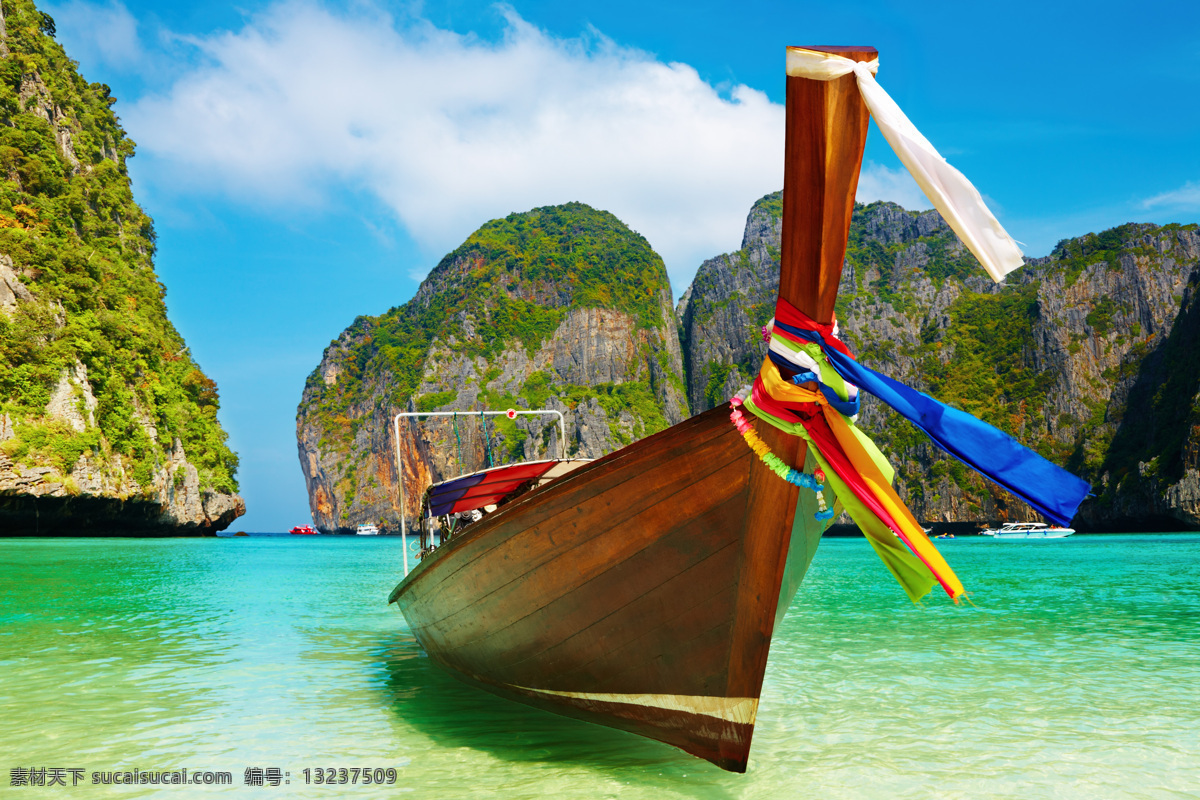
x,y
948,189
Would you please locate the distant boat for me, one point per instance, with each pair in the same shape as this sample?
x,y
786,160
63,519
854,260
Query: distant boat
x,y
367,530
305,530
1028,530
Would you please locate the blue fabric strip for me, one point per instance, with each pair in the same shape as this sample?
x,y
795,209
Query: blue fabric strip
x,y
1048,488
847,408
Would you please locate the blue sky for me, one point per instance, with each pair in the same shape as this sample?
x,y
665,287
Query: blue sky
x,y
306,163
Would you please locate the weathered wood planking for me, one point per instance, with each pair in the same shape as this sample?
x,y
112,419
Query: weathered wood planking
x,y
628,590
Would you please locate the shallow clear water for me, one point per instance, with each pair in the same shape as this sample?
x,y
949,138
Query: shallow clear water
x,y
1076,674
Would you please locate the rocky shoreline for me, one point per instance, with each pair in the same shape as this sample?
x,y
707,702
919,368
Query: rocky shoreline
x,y
49,515
96,500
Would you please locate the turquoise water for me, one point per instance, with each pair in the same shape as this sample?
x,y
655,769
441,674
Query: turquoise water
x,y
1076,674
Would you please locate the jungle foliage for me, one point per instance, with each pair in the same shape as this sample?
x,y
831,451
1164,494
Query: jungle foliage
x,y
84,249
513,280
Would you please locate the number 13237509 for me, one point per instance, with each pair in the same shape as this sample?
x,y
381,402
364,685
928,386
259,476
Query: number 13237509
x,y
344,775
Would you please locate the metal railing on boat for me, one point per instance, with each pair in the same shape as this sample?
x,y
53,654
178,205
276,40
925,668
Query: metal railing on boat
x,y
511,413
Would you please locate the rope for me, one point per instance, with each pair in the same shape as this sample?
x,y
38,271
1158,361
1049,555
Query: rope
x,y
459,438
487,442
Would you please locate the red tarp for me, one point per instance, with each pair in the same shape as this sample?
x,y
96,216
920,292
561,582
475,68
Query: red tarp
x,y
488,487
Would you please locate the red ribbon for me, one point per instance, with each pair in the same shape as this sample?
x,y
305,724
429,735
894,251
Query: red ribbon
x,y
788,314
813,419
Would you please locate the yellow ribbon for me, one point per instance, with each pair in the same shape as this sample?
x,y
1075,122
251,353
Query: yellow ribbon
x,y
877,474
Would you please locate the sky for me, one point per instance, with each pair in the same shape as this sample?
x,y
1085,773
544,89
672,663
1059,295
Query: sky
x,y
306,163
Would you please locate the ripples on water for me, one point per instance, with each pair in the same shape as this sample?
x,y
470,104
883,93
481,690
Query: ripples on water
x,y
1075,675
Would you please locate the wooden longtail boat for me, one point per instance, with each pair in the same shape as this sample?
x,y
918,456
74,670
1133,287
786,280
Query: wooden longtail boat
x,y
641,590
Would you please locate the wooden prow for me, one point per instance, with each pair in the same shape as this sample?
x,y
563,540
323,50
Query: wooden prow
x,y
823,150
826,132
824,137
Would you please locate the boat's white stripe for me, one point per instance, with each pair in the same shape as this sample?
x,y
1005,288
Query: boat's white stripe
x,y
730,709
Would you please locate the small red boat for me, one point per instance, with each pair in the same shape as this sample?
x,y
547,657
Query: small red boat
x,y
304,529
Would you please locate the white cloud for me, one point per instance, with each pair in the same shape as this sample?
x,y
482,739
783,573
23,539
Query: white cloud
x,y
449,130
1186,196
98,34
879,182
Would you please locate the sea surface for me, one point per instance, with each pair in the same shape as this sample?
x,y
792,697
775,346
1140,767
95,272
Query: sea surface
x,y
1075,673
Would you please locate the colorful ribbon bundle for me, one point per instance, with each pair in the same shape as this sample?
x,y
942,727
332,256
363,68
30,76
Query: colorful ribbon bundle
x,y
859,474
812,355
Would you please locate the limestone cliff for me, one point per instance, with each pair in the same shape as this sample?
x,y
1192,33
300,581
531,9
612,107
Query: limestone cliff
x,y
561,307
728,302
107,425
1088,355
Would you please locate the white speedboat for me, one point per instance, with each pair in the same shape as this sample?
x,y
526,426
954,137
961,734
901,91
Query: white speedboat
x,y
1028,530
367,530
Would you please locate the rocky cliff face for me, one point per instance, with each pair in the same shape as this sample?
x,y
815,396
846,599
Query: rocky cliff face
x,y
107,425
722,313
1088,355
561,308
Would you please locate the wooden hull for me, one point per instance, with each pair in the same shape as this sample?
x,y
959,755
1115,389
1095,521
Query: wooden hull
x,y
639,591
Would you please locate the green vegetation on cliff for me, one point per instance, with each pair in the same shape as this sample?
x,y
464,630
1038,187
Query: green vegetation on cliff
x,y
84,250
988,374
942,257
571,250
1107,246
1135,420
513,280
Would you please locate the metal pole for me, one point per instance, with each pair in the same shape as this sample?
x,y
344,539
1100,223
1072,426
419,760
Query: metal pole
x,y
400,483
